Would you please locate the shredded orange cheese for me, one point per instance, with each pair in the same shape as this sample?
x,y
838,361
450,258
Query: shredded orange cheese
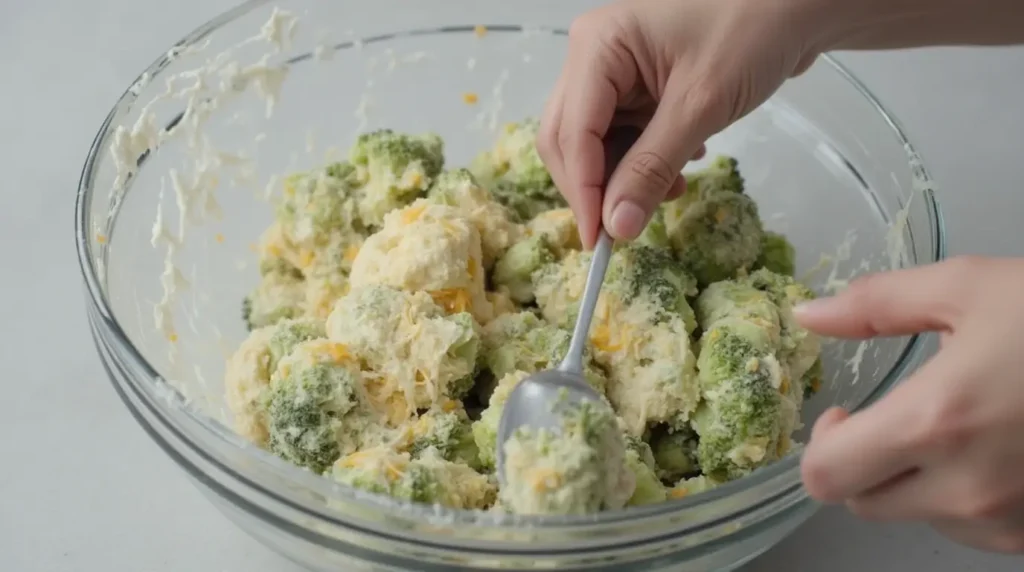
x,y
412,214
678,493
453,300
469,98
101,238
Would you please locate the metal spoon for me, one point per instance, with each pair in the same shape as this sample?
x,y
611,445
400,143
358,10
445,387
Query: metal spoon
x,y
540,400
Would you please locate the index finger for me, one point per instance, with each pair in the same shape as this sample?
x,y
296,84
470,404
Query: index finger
x,y
591,99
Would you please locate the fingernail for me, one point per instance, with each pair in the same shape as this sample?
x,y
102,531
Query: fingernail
x,y
628,220
811,307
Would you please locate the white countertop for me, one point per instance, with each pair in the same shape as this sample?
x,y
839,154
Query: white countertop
x,y
76,470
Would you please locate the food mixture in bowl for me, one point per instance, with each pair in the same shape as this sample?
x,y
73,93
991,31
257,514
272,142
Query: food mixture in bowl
x,y
401,299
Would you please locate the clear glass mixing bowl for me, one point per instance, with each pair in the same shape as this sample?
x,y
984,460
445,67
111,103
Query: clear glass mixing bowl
x,y
828,165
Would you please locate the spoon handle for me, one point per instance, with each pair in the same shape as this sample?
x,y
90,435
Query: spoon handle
x,y
573,361
617,142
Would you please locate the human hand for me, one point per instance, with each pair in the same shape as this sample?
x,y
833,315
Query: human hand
x,y
683,71
945,446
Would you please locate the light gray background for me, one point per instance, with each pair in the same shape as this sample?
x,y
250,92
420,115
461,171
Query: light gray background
x,y
75,469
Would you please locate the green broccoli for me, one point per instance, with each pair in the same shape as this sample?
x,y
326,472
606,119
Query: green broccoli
x,y
738,301
740,420
314,407
812,380
524,342
692,486
675,452
408,338
395,168
428,479
722,174
800,347
449,433
640,461
515,173
515,269
577,468
719,236
521,202
485,429
655,233
777,254
318,204
451,187
650,276
290,333
278,296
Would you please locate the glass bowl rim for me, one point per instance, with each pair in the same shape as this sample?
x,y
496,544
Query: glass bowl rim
x,y
171,399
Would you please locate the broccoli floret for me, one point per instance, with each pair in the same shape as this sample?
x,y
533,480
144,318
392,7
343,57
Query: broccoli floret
x,y
640,334
448,431
722,174
278,296
811,381
675,452
496,223
800,347
314,407
524,342
692,486
515,173
485,429
777,254
453,186
290,333
407,338
740,419
522,202
650,276
576,469
319,207
395,168
343,171
558,227
428,479
640,461
738,301
718,236
655,234
515,269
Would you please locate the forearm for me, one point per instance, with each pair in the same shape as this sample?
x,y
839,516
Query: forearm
x,y
891,24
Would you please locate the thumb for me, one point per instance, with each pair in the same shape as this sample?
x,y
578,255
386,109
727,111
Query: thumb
x,y
651,168
895,303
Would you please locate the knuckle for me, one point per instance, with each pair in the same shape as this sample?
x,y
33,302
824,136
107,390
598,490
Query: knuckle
x,y
705,100
653,171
